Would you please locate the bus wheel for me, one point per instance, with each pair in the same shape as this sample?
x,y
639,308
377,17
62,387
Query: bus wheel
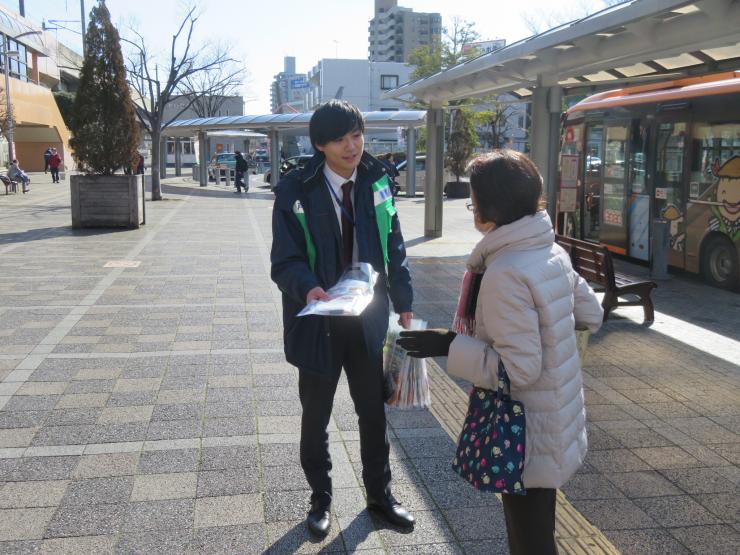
x,y
719,263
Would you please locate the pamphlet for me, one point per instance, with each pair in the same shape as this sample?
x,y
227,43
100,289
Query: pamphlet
x,y
350,296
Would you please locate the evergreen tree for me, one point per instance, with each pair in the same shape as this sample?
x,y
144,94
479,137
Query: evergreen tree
x,y
105,132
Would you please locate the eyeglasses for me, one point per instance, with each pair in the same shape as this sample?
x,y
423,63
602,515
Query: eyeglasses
x,y
470,206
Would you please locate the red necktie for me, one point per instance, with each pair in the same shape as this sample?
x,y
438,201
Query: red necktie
x,y
348,234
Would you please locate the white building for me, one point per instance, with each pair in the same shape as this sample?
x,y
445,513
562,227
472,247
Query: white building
x,y
360,82
288,89
395,32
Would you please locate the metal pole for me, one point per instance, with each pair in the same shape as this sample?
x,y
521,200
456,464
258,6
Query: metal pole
x,y
82,21
275,157
411,161
203,144
8,108
433,189
22,8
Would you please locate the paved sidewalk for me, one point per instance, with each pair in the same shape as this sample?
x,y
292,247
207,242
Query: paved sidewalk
x,y
149,409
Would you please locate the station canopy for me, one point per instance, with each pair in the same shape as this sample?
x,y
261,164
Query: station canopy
x,y
287,122
631,42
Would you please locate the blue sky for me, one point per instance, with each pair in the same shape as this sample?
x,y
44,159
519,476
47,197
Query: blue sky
x,y
261,33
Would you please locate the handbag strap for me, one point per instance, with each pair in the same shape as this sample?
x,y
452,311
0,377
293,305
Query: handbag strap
x,y
503,385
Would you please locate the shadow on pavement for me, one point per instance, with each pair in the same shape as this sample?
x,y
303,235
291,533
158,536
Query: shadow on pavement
x,y
52,232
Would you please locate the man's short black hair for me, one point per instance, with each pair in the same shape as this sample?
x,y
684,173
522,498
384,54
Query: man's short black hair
x,y
332,120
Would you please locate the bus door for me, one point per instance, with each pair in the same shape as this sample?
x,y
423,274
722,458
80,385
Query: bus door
x,y
638,210
614,190
669,185
593,173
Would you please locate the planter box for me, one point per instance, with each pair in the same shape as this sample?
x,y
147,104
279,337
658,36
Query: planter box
x,y
457,189
106,201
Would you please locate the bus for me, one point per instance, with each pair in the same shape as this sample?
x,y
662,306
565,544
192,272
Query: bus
x,y
668,150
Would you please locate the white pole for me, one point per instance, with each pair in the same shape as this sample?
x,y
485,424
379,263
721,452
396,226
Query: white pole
x,y
82,21
8,109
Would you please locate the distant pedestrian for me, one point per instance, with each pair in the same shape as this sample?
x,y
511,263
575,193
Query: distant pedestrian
x,y
241,170
528,305
15,172
47,155
54,162
140,165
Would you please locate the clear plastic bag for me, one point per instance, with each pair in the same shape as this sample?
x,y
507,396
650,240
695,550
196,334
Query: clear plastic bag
x,y
406,378
350,296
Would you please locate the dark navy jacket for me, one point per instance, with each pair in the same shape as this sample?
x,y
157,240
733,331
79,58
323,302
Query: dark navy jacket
x,y
307,339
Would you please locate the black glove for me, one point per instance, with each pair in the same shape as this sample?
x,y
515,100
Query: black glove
x,y
427,343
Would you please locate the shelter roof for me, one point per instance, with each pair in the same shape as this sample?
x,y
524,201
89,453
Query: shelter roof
x,y
269,122
631,42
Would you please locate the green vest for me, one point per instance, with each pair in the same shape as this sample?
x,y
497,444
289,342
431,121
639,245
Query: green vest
x,y
384,212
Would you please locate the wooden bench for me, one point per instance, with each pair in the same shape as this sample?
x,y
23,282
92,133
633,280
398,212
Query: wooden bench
x,y
594,263
11,186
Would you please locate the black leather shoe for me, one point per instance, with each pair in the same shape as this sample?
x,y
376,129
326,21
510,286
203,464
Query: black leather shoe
x,y
319,518
392,511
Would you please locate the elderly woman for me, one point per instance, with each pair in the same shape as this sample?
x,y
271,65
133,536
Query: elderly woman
x,y
528,306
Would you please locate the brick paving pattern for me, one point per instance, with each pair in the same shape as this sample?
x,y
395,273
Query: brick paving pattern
x,y
149,409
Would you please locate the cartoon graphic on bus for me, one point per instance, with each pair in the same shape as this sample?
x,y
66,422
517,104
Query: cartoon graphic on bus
x,y
727,215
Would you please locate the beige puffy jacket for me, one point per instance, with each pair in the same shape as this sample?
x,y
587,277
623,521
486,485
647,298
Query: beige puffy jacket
x,y
529,303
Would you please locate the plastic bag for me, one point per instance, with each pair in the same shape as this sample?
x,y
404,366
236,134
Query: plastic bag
x,y
406,380
350,296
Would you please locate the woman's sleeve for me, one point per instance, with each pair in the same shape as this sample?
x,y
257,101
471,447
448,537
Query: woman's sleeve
x,y
587,309
510,317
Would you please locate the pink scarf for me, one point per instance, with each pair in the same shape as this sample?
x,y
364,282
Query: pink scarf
x,y
464,322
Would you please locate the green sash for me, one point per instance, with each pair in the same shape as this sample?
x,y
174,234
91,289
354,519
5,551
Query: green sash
x,y
384,212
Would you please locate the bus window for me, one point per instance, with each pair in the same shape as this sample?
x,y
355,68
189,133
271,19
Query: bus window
x,y
669,198
711,147
593,172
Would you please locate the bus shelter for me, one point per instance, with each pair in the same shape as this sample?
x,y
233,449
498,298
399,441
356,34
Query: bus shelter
x,y
630,43
275,124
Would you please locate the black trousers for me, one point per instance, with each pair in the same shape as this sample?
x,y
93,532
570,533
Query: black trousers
x,y
54,174
239,181
365,378
530,522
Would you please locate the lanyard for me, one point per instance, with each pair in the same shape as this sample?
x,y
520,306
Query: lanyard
x,y
339,202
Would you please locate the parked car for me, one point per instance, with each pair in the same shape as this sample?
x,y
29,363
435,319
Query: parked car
x,y
292,163
221,162
261,155
421,174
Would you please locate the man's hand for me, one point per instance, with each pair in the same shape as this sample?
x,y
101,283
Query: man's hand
x,y
316,294
427,343
404,319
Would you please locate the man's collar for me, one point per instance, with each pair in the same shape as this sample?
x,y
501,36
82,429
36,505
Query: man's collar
x,y
336,180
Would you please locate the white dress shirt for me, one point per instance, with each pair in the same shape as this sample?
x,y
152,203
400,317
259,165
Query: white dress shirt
x,y
336,181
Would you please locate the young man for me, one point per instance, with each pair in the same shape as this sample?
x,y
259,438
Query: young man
x,y
335,211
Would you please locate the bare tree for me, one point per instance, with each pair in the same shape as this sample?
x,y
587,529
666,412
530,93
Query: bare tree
x,y
211,89
5,117
540,20
154,95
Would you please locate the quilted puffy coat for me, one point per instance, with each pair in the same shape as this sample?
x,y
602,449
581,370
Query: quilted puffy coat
x,y
529,303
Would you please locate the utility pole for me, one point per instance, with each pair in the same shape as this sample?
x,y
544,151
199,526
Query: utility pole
x,y
82,21
22,8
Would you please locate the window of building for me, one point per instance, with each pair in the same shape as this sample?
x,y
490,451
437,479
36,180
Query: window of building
x,y
17,67
388,82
